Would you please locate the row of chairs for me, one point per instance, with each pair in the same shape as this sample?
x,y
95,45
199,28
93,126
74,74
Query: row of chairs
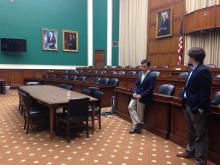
x,y
169,89
96,80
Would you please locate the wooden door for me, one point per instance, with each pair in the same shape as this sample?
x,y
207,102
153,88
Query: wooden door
x,y
99,57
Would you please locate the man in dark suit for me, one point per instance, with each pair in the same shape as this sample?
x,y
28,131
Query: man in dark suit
x,y
196,101
143,91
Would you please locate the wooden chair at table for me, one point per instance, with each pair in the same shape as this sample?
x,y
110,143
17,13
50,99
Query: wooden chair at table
x,y
33,112
98,95
21,102
76,114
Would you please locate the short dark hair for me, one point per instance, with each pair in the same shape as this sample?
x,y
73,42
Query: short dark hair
x,y
198,54
145,62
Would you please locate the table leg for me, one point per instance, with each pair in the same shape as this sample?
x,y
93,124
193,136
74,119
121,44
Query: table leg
x,y
93,118
51,122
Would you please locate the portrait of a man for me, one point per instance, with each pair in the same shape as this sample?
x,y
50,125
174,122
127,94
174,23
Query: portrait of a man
x,y
49,39
163,24
70,41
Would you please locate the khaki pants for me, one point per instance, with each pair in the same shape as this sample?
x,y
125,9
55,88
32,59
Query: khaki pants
x,y
136,110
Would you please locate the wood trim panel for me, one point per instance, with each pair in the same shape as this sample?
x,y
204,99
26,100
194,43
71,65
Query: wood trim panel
x,y
202,19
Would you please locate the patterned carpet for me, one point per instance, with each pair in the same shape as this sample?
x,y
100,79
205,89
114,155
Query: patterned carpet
x,y
110,145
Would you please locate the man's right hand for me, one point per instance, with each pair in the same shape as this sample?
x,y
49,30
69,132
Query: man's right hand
x,y
135,95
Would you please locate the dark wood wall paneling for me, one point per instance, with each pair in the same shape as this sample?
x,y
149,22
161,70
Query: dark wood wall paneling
x,y
15,77
203,19
164,50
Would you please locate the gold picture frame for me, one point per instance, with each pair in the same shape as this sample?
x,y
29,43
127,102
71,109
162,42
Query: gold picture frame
x,y
70,41
49,39
164,23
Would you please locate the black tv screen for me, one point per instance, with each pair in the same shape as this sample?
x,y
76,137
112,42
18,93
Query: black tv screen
x,y
13,45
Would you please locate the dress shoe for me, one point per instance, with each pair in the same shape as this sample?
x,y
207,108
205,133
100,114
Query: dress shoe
x,y
186,155
132,130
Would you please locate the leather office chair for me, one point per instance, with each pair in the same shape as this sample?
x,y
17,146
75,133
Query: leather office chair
x,y
66,86
75,116
155,73
52,76
183,74
216,99
72,77
121,72
211,65
104,81
113,72
81,78
86,91
100,72
217,76
64,77
113,82
131,73
33,83
93,71
93,89
167,89
96,80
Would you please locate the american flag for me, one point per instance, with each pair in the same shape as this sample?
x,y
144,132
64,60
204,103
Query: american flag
x,y
180,50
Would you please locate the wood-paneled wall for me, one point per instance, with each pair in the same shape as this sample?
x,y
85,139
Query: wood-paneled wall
x,y
15,77
164,50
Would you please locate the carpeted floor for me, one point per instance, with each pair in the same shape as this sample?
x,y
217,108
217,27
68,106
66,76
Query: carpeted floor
x,y
110,145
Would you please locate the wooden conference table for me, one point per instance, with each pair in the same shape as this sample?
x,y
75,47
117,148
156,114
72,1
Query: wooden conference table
x,y
55,97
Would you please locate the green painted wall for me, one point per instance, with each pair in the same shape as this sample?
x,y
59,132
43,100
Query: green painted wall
x,y
100,26
115,30
25,19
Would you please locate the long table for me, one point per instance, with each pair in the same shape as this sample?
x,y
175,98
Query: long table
x,y
55,97
78,86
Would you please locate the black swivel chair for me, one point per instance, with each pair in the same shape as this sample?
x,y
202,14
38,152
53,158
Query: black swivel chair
x,y
96,80
72,77
113,82
75,116
104,81
64,77
131,73
86,91
81,78
183,75
217,76
121,72
167,89
211,65
52,76
66,86
216,99
155,73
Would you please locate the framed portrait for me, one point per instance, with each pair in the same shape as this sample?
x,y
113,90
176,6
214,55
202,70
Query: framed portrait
x,y
70,41
164,23
49,39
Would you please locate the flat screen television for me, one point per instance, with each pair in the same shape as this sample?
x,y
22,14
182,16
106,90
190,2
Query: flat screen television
x,y
13,45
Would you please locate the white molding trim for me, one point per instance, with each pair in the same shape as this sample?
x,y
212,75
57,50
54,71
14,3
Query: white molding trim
x,y
26,66
109,32
90,31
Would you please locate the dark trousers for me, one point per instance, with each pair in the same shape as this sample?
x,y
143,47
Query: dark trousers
x,y
197,135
